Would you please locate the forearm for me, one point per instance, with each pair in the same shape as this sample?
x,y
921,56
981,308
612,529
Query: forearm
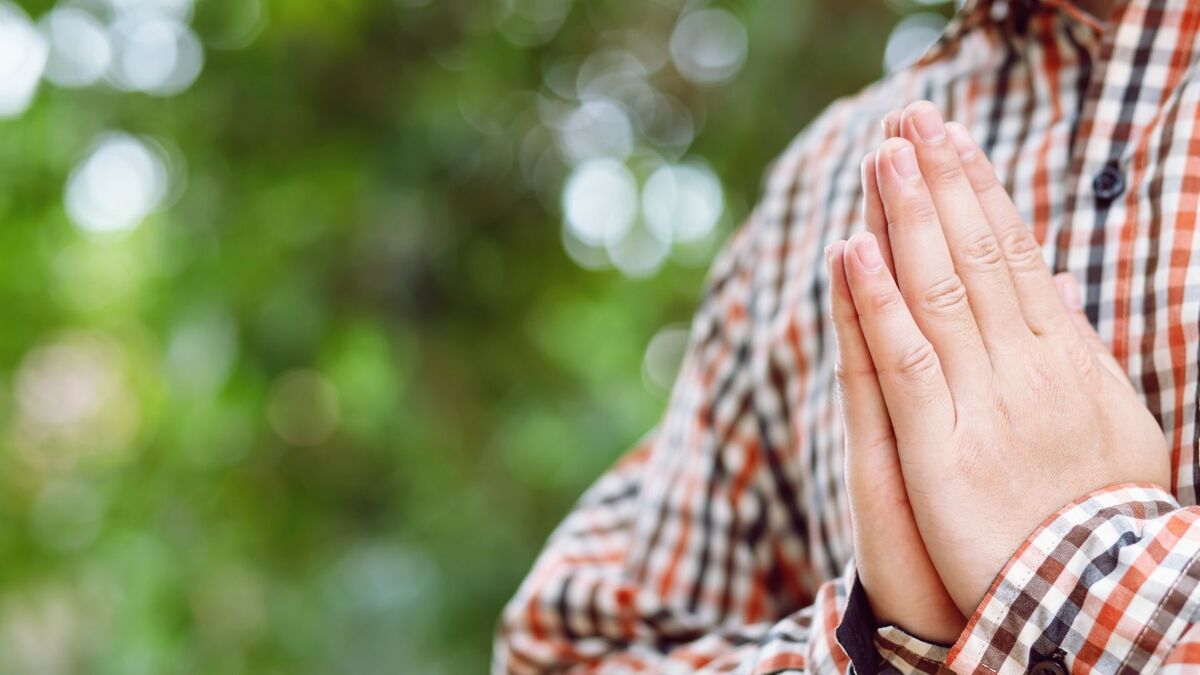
x,y
585,608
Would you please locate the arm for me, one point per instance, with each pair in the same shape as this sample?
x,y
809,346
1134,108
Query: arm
x,y
685,557
584,609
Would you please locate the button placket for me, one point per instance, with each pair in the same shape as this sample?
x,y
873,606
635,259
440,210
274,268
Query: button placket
x,y
1109,183
1051,665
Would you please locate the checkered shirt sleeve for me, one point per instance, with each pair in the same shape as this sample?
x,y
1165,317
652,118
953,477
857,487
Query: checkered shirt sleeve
x,y
1109,584
672,562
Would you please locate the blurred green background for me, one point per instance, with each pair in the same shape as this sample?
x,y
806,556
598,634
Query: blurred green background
x,y
319,315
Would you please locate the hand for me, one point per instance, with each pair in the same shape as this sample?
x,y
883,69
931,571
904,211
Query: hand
x,y
1004,402
901,583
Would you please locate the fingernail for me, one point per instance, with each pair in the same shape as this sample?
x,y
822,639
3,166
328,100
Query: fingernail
x,y
961,139
905,161
928,122
867,250
828,252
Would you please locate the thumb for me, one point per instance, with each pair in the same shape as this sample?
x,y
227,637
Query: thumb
x,y
1068,290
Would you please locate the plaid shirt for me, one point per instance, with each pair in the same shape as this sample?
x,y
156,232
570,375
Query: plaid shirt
x,y
722,543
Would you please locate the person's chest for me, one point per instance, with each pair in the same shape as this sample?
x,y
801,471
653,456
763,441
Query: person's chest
x,y
1103,160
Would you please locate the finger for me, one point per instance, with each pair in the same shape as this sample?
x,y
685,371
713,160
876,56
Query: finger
x,y
891,124
973,246
907,367
870,444
924,269
873,210
1068,290
1036,292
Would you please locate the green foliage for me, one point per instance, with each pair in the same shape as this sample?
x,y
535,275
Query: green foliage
x,y
342,388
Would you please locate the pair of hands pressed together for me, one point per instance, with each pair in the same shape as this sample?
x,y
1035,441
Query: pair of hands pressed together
x,y
976,397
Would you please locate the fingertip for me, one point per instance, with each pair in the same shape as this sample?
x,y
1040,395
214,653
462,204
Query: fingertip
x,y
891,123
868,164
1068,289
867,255
905,126
835,255
961,138
841,299
925,122
897,157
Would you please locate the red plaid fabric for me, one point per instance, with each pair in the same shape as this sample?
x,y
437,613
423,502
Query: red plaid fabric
x,y
722,544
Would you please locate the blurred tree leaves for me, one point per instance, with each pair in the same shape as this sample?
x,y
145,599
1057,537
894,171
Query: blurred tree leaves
x,y
352,205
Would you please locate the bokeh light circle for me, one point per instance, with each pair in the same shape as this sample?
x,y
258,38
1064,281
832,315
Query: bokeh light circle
x,y
154,54
23,53
80,51
597,128
303,408
600,201
116,185
179,10
709,46
682,202
664,356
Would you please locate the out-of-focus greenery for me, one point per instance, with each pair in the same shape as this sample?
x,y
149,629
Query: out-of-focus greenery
x,y
319,412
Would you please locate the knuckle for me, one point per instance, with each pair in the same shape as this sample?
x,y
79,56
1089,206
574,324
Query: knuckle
x,y
1042,379
843,373
946,173
920,212
983,251
883,441
917,362
946,297
1081,358
884,300
985,181
1021,249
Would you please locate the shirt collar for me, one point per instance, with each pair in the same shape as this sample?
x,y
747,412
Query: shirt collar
x,y
976,13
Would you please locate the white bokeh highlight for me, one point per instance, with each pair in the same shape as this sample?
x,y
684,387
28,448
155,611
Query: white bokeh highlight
x,y
664,357
179,10
116,186
600,201
709,46
80,51
156,55
23,54
682,203
597,128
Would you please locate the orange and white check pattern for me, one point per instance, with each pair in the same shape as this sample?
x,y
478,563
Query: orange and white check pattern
x,y
722,543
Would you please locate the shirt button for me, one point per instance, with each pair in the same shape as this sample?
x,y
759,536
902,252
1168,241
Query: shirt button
x,y
1109,183
1049,667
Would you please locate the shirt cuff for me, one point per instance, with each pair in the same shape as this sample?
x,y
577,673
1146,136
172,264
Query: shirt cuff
x,y
904,653
888,649
856,632
1105,584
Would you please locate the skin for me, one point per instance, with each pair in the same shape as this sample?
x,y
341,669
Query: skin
x,y
975,369
903,586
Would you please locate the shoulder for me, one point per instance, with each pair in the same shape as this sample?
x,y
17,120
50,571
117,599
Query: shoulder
x,y
845,126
